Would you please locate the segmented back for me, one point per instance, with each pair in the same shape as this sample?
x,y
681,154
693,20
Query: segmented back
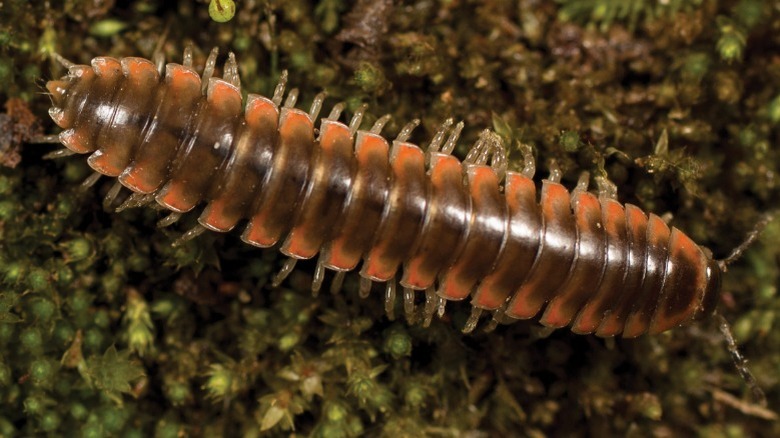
x,y
457,229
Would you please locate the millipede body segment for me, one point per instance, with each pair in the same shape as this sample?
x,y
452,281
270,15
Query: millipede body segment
x,y
455,229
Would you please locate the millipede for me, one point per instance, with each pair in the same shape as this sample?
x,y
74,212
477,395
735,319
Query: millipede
x,y
421,219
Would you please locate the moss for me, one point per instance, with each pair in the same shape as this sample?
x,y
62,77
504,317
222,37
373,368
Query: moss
x,y
106,329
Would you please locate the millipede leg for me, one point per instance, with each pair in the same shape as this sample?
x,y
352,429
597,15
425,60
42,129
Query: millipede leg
x,y
50,138
390,299
159,62
157,55
287,267
498,158
208,70
319,277
357,118
338,282
441,307
582,183
135,200
409,312
488,148
438,138
471,324
59,153
187,58
478,153
316,105
406,131
491,325
91,180
431,302
194,232
111,195
62,61
231,71
365,287
555,172
380,124
498,316
279,90
169,220
529,163
453,138
607,189
335,113
292,98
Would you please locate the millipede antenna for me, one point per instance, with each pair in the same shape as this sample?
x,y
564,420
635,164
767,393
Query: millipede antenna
x,y
749,240
739,361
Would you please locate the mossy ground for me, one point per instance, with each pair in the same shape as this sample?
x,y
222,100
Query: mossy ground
x,y
106,330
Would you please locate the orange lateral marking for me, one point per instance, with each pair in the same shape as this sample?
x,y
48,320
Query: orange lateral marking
x,y
613,323
260,115
115,151
686,282
102,162
491,293
172,197
260,111
369,148
75,140
146,173
179,78
591,315
106,68
446,169
647,300
132,178
223,96
299,243
261,230
586,272
557,254
460,278
139,71
213,216
380,264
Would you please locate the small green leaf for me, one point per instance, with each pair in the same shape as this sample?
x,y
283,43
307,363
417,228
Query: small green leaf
x,y
502,128
107,28
271,417
7,302
113,372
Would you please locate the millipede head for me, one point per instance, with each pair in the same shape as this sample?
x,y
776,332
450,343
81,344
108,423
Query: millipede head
x,y
58,89
67,92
